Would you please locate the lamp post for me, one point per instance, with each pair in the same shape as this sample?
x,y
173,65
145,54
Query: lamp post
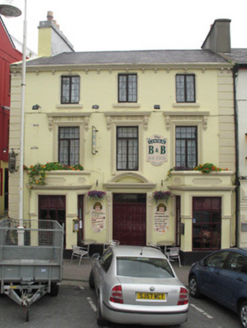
x,y
8,9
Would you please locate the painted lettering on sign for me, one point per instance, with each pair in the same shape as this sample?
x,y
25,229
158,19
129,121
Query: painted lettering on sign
x,y
156,150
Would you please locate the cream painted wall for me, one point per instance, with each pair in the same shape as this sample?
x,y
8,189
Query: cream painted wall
x,y
100,87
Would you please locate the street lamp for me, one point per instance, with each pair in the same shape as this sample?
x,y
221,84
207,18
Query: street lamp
x,y
8,9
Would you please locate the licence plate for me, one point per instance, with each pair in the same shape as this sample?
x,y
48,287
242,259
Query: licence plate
x,y
151,296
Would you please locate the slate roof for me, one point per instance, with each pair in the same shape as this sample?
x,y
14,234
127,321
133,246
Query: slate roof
x,y
130,57
238,55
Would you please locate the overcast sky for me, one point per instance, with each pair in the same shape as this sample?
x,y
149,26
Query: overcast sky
x,y
93,25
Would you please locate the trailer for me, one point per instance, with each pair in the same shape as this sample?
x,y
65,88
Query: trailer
x,y
30,260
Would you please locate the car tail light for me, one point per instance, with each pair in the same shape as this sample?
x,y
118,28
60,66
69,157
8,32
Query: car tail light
x,y
116,294
183,296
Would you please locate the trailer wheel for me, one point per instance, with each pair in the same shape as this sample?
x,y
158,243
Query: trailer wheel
x,y
54,289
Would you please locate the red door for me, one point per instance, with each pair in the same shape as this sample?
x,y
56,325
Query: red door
x,y
129,219
53,208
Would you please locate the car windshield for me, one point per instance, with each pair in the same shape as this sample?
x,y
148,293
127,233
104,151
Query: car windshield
x,y
143,267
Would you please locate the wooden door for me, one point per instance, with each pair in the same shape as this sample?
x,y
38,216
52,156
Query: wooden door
x,y
129,219
53,208
80,234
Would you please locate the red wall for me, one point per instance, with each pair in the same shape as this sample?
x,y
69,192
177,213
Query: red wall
x,y
8,55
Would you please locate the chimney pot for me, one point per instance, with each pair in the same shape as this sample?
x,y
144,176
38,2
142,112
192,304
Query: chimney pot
x,y
50,15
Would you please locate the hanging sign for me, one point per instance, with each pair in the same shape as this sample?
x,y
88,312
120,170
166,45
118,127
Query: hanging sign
x,y
156,150
98,217
161,218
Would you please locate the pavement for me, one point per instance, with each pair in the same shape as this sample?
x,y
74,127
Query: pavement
x,y
74,273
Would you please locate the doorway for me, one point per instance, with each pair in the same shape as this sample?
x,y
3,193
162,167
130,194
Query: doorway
x,y
129,219
53,208
80,233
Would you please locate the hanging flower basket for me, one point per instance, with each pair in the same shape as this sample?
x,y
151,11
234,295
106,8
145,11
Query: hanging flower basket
x,y
96,195
162,195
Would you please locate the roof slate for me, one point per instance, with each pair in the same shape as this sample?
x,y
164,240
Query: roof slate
x,y
238,55
129,57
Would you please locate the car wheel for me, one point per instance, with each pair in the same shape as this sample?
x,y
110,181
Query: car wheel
x,y
243,313
91,280
100,320
194,289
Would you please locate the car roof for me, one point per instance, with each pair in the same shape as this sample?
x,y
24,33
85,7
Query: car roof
x,y
241,250
133,251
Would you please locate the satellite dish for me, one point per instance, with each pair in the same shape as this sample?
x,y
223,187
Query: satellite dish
x,y
8,9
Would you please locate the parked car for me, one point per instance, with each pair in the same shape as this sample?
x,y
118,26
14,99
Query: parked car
x,y
137,285
222,276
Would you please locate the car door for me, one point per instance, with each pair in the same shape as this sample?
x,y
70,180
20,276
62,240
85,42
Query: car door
x,y
101,268
211,274
234,280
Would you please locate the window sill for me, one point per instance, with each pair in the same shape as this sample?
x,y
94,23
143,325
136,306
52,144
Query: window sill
x,y
126,105
69,106
187,105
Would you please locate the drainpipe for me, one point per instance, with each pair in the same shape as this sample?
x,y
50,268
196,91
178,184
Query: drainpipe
x,y
235,74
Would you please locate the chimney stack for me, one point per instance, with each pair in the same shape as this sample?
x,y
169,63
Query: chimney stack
x,y
218,38
51,40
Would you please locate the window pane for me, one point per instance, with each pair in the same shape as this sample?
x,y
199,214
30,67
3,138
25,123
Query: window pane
x,y
75,89
122,88
65,90
127,148
127,88
206,223
180,88
185,88
190,88
133,155
63,152
186,147
132,92
70,89
143,267
122,155
69,145
74,152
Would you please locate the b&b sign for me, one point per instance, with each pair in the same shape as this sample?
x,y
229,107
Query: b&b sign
x,y
156,150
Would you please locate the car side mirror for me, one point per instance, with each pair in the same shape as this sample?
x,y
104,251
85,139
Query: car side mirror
x,y
202,263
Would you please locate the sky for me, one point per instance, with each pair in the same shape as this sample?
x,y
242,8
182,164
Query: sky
x,y
99,25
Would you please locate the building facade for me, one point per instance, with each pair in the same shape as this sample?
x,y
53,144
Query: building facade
x,y
8,55
218,41
138,122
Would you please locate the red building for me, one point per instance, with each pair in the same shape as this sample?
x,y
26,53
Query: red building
x,y
8,55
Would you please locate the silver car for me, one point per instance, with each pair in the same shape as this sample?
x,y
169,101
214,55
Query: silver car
x,y
137,285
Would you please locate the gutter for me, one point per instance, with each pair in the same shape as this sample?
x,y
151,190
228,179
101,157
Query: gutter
x,y
235,74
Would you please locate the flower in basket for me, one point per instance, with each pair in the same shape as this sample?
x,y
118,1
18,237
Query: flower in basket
x,y
96,195
162,195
